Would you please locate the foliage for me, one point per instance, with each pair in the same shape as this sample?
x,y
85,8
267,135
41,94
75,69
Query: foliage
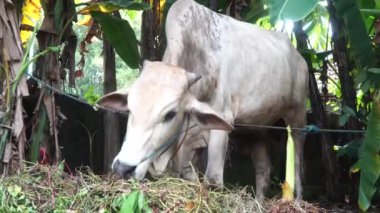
x,y
90,96
26,61
14,200
357,32
347,113
118,31
257,10
121,36
133,202
350,149
112,6
93,66
369,158
293,10
359,41
317,27
358,27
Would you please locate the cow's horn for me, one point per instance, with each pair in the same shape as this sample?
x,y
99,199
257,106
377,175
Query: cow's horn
x,y
192,78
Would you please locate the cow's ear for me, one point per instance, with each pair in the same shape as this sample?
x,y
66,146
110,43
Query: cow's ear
x,y
117,100
206,117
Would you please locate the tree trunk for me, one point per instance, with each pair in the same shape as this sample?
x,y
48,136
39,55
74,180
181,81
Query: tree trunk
x,y
151,39
341,58
12,128
110,119
54,32
214,5
48,69
320,119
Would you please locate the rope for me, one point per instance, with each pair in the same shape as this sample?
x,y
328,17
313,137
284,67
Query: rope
x,y
311,129
184,137
75,98
165,146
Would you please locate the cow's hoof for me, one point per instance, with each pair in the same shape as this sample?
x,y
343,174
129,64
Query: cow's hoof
x,y
212,184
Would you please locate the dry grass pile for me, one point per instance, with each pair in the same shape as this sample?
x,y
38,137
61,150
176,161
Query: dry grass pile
x,y
294,206
47,189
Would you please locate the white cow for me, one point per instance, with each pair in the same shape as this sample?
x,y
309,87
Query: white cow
x,y
248,76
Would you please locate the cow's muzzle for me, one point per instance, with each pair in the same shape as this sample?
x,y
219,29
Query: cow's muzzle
x,y
123,170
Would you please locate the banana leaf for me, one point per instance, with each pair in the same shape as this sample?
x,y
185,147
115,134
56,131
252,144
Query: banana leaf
x,y
369,159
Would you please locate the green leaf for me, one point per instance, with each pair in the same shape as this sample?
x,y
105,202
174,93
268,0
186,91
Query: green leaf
x,y
61,166
256,11
373,12
14,190
365,86
351,149
357,32
112,6
130,202
343,119
369,159
90,96
322,55
349,110
53,48
293,10
143,204
136,6
121,36
369,4
374,70
362,76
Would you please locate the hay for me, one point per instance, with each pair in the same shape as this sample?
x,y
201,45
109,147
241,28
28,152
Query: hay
x,y
293,206
47,189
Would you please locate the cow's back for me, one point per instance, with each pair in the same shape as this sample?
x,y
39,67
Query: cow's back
x,y
249,73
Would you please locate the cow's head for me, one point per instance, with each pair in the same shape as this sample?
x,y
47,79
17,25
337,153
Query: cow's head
x,y
158,103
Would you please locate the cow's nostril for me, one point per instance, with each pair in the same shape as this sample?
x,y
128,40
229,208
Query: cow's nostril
x,y
122,169
128,169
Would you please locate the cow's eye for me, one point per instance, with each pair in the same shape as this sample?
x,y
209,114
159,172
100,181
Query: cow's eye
x,y
169,116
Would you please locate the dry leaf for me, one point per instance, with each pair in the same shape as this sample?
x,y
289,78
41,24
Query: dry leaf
x,y
189,206
18,123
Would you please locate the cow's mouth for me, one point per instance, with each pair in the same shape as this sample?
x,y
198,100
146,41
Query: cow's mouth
x,y
123,170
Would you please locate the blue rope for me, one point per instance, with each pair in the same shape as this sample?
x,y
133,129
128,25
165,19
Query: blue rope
x,y
309,129
314,129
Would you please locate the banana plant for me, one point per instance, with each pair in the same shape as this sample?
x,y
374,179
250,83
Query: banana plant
x,y
117,31
369,159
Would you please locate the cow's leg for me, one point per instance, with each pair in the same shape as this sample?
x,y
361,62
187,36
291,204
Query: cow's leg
x,y
260,158
185,168
189,155
216,156
296,118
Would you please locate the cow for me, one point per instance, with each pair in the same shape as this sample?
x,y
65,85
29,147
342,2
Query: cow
x,y
216,71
